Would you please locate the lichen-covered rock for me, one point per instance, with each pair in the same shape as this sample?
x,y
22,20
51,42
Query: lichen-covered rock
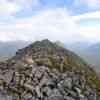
x,y
41,83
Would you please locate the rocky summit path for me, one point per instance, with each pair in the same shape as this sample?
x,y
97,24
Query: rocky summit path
x,y
39,83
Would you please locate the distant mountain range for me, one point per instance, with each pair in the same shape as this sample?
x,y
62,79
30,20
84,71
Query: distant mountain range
x,y
90,52
92,55
95,48
8,49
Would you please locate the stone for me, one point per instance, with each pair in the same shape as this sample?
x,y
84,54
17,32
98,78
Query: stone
x,y
5,97
27,96
55,95
67,83
68,98
28,87
46,91
8,76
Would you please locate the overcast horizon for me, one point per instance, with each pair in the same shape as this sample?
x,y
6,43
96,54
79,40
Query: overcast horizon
x,y
64,20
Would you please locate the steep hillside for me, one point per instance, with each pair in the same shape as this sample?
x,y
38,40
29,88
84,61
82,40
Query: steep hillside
x,y
46,71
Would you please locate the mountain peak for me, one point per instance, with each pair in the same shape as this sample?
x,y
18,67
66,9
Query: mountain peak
x,y
46,40
51,54
42,46
45,43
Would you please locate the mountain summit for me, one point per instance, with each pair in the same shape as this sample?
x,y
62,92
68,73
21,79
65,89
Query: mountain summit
x,y
46,71
50,54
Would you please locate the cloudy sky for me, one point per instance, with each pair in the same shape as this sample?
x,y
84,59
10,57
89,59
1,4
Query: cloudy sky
x,y
64,20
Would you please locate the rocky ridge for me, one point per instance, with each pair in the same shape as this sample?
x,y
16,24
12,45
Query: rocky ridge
x,y
45,71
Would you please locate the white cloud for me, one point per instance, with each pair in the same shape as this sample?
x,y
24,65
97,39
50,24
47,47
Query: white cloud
x,y
8,7
92,3
89,15
53,24
92,33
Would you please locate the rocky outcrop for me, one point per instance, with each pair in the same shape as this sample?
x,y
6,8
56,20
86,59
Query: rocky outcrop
x,y
41,83
45,71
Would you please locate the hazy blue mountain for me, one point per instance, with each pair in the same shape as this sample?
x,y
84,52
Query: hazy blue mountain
x,y
95,48
77,46
8,49
90,52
